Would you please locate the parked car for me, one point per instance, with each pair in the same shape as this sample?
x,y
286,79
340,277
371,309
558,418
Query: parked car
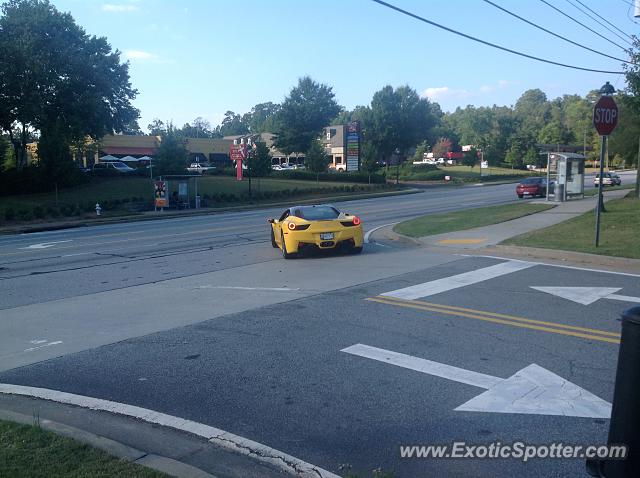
x,y
609,179
532,187
118,166
321,227
200,168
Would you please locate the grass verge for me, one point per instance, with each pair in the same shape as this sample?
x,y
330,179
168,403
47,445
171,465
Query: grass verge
x,y
594,190
619,233
467,219
29,451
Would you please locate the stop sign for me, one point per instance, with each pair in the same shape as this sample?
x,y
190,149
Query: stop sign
x,y
605,115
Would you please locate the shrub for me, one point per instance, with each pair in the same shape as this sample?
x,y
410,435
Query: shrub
x,y
38,212
25,215
9,214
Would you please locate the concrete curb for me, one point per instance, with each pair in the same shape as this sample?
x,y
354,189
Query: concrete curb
x,y
152,216
159,463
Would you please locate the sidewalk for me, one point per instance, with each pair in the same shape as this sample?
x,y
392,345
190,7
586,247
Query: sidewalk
x,y
486,240
492,235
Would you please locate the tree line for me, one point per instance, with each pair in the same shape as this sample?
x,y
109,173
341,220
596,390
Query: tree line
x,y
60,85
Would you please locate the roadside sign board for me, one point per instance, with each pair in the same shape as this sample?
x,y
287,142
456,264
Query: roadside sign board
x,y
160,188
605,115
353,146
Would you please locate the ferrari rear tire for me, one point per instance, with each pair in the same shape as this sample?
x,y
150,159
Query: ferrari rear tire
x,y
285,254
273,240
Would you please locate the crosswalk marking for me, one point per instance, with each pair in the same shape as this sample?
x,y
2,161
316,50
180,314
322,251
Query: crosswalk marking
x,y
427,289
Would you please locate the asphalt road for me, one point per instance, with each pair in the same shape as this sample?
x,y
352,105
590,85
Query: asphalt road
x,y
278,375
52,265
200,318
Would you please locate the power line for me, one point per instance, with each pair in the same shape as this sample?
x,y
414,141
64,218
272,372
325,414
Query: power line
x,y
555,34
469,37
598,22
582,24
604,19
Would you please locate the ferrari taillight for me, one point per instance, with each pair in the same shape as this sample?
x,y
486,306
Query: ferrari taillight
x,y
291,226
356,221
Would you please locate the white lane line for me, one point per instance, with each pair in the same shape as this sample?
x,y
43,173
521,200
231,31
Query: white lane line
x,y
461,280
77,254
58,342
547,264
44,245
368,234
269,289
221,438
623,298
425,366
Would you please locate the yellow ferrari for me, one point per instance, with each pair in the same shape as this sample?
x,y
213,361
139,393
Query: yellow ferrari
x,y
320,227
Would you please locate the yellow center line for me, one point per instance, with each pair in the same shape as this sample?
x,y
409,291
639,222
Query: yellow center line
x,y
504,316
520,322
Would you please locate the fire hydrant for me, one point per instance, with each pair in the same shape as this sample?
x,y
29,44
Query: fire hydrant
x,y
98,209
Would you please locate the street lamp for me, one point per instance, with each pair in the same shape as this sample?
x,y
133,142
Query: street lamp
x,y
397,153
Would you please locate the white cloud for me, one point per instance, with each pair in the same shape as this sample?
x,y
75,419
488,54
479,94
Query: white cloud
x,y
140,55
441,92
487,88
119,8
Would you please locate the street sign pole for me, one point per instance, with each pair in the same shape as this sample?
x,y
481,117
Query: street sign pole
x,y
600,207
605,119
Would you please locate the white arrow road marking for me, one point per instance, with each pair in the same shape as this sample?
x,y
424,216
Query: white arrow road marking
x,y
532,390
587,295
286,463
44,245
461,280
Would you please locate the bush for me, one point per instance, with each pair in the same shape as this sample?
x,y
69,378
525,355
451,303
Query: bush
x,y
38,212
343,177
24,215
9,214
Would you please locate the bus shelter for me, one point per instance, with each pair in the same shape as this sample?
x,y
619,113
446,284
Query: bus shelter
x,y
565,176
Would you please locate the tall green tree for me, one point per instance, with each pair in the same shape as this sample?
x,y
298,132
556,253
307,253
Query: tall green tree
x,y
172,155
259,163
57,79
233,124
262,118
309,107
316,160
399,120
368,159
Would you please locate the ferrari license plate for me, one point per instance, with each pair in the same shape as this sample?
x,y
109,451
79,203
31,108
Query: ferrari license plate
x,y
326,236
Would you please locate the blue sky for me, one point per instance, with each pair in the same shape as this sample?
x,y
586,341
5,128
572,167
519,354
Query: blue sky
x,y
195,58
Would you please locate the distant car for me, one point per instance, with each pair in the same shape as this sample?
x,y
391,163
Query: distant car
x,y
440,161
532,187
281,167
118,166
316,227
200,168
301,167
609,179
532,167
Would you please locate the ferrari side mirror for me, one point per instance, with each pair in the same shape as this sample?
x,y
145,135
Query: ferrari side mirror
x,y
271,220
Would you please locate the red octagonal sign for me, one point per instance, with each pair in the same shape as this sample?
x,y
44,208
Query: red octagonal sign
x,y
605,115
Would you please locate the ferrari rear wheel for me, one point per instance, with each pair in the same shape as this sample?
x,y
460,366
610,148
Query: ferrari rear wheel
x,y
285,254
273,240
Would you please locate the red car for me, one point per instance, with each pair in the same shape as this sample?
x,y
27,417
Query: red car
x,y
532,187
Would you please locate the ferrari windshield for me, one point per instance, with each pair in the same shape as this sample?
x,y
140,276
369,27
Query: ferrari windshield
x,y
316,213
